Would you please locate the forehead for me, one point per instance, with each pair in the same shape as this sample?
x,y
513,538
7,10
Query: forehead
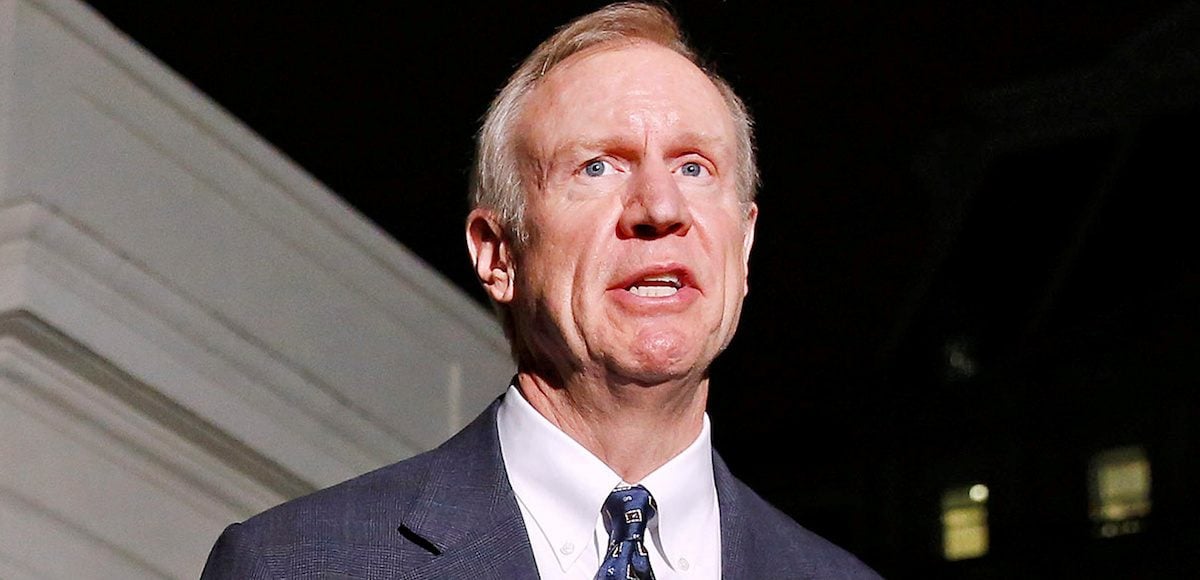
x,y
632,92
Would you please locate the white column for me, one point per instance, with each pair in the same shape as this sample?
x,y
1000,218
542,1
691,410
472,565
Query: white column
x,y
191,328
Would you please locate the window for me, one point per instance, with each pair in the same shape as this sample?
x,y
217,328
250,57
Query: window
x,y
964,522
1120,491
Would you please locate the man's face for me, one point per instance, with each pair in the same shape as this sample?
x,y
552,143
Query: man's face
x,y
636,266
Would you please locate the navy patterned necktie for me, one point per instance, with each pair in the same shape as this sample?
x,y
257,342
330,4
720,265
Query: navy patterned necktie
x,y
627,511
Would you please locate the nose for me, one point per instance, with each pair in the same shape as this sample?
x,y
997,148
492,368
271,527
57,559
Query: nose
x,y
654,206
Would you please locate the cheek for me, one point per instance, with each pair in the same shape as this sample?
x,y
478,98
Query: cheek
x,y
735,267
565,264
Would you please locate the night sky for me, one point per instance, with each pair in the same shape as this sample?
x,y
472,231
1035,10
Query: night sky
x,y
380,100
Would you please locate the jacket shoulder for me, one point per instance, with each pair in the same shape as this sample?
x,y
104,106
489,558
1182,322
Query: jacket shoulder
x,y
772,544
355,515
801,549
359,527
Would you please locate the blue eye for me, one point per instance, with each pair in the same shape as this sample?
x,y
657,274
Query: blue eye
x,y
595,168
691,169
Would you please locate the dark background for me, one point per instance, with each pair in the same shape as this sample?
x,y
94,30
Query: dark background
x,y
1007,184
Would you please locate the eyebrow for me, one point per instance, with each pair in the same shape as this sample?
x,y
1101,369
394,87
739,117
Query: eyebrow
x,y
603,144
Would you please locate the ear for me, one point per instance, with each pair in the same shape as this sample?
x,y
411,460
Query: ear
x,y
747,243
491,254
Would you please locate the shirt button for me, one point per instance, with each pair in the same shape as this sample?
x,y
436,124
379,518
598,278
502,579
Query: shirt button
x,y
567,548
683,564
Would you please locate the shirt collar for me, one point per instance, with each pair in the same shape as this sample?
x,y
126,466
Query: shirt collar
x,y
563,485
686,495
559,482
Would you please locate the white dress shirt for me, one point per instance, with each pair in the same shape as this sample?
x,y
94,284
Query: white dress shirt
x,y
560,488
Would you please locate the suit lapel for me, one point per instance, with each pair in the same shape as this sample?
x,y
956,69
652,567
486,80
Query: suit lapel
x,y
466,514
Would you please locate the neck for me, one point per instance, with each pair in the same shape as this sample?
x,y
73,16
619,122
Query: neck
x,y
632,428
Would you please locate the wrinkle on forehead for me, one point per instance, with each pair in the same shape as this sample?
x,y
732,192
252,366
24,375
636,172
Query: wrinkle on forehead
x,y
625,96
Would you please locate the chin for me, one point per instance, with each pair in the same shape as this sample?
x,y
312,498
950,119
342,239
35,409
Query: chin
x,y
658,362
647,376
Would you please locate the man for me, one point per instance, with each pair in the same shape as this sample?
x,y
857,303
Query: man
x,y
612,223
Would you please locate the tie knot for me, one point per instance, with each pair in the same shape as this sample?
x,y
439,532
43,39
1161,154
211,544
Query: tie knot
x,y
628,510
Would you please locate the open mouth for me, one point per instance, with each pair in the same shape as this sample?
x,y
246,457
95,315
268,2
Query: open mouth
x,y
657,286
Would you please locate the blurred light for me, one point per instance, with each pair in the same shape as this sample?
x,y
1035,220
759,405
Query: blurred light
x,y
978,493
960,364
965,522
1108,530
1120,490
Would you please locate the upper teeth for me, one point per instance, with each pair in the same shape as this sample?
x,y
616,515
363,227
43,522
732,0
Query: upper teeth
x,y
657,286
668,278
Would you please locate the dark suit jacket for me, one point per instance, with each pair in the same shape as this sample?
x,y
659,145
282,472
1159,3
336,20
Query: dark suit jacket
x,y
451,513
